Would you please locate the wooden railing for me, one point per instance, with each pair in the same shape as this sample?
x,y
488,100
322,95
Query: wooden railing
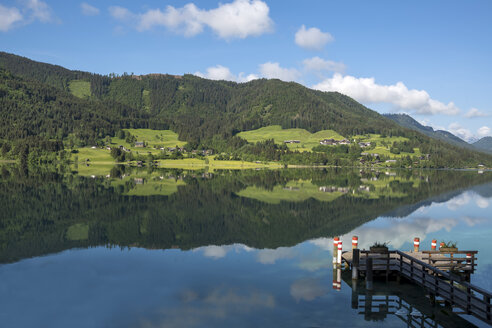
x,y
452,260
473,299
451,287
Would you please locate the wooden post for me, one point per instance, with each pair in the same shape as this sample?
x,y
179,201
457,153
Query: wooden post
x,y
369,274
355,295
487,303
355,263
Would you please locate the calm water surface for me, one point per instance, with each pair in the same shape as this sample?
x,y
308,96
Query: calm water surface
x,y
225,249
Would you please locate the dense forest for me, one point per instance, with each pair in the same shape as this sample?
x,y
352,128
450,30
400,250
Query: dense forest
x,y
35,100
204,211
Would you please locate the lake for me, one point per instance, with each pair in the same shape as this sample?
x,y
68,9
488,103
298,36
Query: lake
x,y
176,248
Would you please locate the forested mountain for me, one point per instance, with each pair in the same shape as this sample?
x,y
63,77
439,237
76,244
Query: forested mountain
x,y
408,122
36,101
484,144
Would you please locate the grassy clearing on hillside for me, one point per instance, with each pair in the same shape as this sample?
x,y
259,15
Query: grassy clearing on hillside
x,y
93,155
381,149
163,138
146,99
79,88
307,139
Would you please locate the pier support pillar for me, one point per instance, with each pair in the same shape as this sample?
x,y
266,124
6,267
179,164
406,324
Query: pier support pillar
x,y
355,263
369,274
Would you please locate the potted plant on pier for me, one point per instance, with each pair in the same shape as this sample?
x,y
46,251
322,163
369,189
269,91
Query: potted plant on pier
x,y
378,247
448,246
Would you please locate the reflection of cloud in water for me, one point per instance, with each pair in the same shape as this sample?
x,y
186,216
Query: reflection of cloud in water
x,y
473,221
398,233
316,263
401,232
307,289
458,201
270,256
482,202
215,306
217,252
214,251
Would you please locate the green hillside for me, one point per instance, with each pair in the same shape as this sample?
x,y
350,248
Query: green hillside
x,y
36,102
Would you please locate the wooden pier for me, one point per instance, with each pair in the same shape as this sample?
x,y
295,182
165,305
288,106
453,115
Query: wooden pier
x,y
403,301
427,270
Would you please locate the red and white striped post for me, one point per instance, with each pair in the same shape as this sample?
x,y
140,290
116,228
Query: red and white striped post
x,y
416,244
335,284
339,254
336,240
441,245
355,242
433,244
339,279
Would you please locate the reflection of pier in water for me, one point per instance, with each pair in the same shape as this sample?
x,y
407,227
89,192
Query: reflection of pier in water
x,y
404,301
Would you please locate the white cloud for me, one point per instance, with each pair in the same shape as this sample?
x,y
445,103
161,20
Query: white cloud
x,y
220,72
9,17
89,10
29,12
484,131
317,64
121,13
458,130
312,38
467,135
366,90
39,10
473,112
238,19
271,70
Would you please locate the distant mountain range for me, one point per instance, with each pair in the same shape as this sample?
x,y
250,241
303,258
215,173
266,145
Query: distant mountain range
x,y
409,122
484,144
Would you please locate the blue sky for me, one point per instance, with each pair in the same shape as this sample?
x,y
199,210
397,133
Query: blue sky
x,y
428,59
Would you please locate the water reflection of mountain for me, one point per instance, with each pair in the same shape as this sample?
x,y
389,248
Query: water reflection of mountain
x,y
49,212
484,190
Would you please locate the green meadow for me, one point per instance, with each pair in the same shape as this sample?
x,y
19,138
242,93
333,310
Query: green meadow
x,y
307,139
381,149
79,88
